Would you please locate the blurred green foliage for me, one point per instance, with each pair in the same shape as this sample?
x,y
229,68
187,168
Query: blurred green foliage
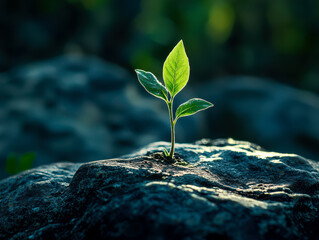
x,y
16,163
276,39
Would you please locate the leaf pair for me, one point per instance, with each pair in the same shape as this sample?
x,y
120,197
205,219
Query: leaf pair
x,y
175,74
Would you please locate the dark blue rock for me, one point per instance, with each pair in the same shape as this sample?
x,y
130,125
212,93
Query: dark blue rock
x,y
278,117
218,189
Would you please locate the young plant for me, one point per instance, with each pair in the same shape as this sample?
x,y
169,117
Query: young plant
x,y
175,73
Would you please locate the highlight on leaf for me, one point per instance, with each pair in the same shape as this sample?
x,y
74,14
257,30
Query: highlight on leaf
x,y
176,69
166,152
191,107
151,84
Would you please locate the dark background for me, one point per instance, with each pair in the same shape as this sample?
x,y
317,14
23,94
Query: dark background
x,y
276,39
45,96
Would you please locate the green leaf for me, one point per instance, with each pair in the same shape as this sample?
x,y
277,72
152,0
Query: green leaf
x,y
166,152
12,163
191,107
176,69
26,161
151,84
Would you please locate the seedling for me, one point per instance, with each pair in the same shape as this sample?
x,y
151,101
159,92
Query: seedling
x,y
175,74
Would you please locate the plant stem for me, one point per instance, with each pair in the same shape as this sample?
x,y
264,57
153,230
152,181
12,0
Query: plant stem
x,y
170,109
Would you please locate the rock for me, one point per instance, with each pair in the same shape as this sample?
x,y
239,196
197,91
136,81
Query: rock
x,y
224,189
275,116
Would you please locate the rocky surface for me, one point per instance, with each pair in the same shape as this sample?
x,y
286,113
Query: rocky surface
x,y
273,115
225,189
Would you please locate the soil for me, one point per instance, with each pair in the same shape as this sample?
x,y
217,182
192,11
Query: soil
x,y
177,158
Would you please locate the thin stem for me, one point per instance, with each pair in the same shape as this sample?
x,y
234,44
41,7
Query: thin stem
x,y
170,109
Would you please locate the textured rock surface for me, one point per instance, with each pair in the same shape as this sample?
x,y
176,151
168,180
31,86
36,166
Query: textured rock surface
x,y
273,115
226,190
